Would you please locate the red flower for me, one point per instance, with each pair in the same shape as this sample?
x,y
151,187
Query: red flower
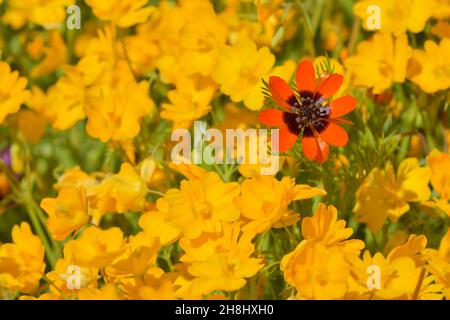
x,y
309,114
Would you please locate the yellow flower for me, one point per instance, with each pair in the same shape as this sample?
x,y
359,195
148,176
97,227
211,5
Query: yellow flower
x,y
153,224
240,69
63,105
434,65
201,37
97,86
119,192
55,56
210,243
103,59
31,125
67,213
396,238
317,272
191,45
274,25
152,172
398,277
37,101
318,267
324,227
441,9
413,249
439,163
122,13
440,177
190,171
60,277
12,91
380,62
258,167
218,262
255,99
21,262
44,296
264,202
139,255
47,13
143,48
118,112
393,16
74,177
399,272
153,285
200,205
441,29
107,292
189,101
35,48
439,263
95,247
385,195
237,117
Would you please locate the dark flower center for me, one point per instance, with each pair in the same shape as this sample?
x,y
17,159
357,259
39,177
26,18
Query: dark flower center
x,y
307,112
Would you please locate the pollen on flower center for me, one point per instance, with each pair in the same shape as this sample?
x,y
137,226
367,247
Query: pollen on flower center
x,y
248,73
308,111
322,278
231,268
203,209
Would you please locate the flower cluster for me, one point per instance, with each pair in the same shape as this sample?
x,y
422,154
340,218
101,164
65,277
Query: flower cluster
x,y
93,204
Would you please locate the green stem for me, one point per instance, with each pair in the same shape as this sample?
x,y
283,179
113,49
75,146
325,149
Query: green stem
x,y
354,35
307,27
33,213
416,293
52,283
125,53
155,192
318,9
229,171
291,237
428,129
12,181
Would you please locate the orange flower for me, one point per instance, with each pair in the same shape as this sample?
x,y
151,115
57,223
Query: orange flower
x,y
309,112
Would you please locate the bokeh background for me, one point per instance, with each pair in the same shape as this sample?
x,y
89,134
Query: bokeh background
x,y
89,97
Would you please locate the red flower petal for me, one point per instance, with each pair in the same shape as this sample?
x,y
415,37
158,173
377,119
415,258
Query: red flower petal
x,y
322,154
331,85
305,77
281,92
334,135
271,117
310,147
287,140
342,106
